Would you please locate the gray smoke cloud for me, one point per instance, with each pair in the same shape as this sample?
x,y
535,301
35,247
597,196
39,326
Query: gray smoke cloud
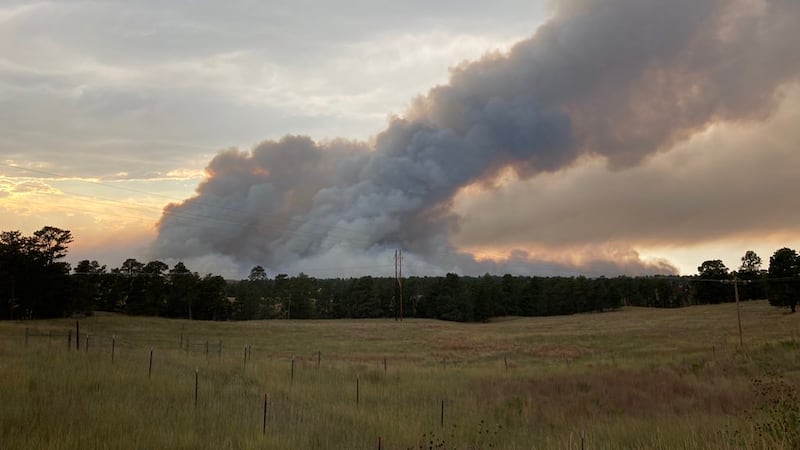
x,y
617,79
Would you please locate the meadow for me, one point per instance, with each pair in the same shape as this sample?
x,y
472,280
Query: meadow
x,y
635,378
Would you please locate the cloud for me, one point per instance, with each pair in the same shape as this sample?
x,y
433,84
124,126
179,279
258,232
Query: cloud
x,y
5,188
21,187
615,80
151,87
729,181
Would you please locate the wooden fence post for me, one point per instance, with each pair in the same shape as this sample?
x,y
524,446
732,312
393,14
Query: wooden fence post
x,y
264,426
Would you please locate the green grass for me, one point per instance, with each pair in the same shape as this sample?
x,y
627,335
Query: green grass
x,y
636,379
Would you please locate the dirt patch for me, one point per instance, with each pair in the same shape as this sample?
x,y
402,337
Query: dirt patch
x,y
558,351
633,393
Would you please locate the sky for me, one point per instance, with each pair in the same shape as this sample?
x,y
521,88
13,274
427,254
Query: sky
x,y
573,137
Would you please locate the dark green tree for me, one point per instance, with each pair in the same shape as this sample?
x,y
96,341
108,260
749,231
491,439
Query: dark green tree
x,y
211,302
52,243
155,288
363,301
750,273
485,295
301,296
784,278
134,299
751,263
710,286
257,273
182,291
253,297
34,283
281,296
87,283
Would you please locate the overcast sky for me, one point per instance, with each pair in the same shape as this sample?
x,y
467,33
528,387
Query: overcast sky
x,y
117,108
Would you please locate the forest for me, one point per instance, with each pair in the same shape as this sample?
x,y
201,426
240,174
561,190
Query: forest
x,y
35,282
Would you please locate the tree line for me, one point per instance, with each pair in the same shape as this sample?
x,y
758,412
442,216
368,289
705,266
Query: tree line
x,y
36,283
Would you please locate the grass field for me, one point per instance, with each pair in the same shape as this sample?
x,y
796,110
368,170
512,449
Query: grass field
x,y
632,379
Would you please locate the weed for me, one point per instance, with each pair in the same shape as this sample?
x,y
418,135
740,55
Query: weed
x,y
484,437
779,405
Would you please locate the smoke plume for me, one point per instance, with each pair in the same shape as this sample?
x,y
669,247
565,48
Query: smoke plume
x,y
612,79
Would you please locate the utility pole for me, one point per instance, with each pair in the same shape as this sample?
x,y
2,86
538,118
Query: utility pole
x,y
397,300
398,275
738,310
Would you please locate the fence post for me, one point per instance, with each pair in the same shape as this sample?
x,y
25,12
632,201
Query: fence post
x,y
441,417
26,336
196,382
264,426
150,368
77,335
292,376
220,349
113,346
87,342
384,364
69,340
505,360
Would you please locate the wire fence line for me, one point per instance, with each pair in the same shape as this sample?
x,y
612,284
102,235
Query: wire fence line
x,y
284,412
191,346
241,351
281,412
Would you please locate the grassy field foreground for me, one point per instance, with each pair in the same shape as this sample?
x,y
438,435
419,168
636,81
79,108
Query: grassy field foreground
x,y
633,379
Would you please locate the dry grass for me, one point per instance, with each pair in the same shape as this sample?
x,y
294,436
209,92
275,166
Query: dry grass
x,y
636,378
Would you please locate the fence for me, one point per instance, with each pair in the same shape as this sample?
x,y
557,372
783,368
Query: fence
x,y
443,410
